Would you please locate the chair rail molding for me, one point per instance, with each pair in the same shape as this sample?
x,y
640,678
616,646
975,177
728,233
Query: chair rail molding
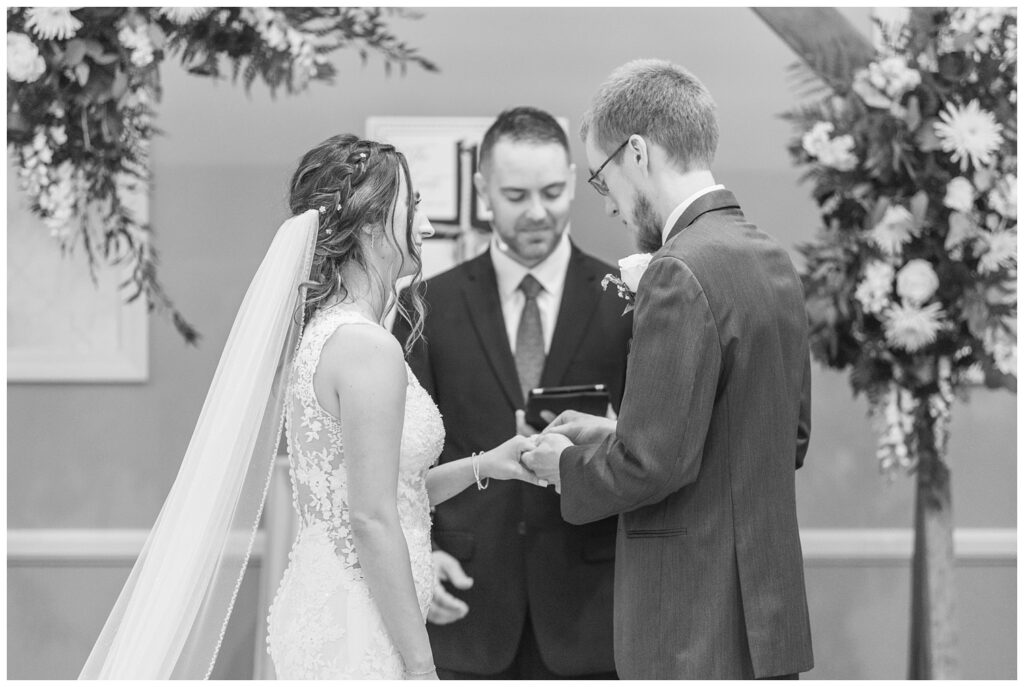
x,y
825,546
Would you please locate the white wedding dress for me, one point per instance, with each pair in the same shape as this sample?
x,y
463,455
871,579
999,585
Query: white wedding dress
x,y
323,623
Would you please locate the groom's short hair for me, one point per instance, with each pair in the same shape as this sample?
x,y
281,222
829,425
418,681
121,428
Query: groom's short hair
x,y
526,124
660,101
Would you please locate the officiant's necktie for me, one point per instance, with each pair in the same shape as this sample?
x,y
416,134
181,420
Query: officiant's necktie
x,y
529,337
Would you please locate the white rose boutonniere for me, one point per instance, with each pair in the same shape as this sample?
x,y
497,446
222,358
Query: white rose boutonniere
x,y
631,269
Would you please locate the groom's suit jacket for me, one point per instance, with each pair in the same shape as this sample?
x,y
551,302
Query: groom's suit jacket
x,y
510,538
715,419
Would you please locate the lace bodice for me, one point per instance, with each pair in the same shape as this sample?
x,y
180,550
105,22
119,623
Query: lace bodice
x,y
306,631
320,482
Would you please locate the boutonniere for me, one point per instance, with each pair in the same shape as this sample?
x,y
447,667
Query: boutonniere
x,y
631,269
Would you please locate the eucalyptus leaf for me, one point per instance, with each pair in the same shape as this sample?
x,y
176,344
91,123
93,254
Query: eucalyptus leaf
x,y
82,73
75,52
913,116
93,48
926,138
106,58
919,207
157,36
119,87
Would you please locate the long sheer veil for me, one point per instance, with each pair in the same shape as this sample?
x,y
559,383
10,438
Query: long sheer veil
x,y
170,617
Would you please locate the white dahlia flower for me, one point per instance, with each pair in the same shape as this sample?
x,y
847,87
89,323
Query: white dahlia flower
x,y
912,328
52,22
970,133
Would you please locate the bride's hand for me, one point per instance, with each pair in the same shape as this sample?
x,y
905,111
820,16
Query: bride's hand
x,y
503,462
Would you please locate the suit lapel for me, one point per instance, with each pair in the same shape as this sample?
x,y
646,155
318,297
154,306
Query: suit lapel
x,y
580,295
480,292
716,200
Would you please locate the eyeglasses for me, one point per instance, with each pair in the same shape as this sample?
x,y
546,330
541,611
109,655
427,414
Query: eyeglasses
x,y
598,183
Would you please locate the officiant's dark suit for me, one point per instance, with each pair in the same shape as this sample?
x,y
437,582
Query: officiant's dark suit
x,y
528,565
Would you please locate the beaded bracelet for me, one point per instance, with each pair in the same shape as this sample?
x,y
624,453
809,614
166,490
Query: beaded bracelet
x,y
476,473
421,674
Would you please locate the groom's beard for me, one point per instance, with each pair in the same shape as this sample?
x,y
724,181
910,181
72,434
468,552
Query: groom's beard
x,y
648,226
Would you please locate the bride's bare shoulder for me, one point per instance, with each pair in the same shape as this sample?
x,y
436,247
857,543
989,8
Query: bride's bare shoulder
x,y
359,353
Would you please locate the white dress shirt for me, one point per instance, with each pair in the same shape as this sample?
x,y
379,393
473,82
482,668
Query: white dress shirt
x,y
550,273
681,208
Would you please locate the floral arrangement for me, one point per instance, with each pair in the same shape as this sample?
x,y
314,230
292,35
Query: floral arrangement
x,y
82,85
911,283
631,269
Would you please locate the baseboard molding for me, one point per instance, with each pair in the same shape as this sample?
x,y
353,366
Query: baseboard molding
x,y
975,546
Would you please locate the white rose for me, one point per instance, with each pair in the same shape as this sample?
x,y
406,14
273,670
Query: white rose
x,y
959,195
916,282
838,154
24,63
59,135
632,268
814,140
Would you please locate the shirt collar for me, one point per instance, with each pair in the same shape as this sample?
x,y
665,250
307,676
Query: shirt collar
x,y
550,272
681,208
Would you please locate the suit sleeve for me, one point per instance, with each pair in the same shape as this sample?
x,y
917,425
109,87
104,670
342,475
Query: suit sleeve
x,y
803,427
419,357
674,367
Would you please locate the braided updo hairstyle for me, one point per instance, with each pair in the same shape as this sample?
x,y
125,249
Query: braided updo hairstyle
x,y
356,183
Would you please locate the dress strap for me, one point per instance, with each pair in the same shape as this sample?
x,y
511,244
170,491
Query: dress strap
x,y
321,327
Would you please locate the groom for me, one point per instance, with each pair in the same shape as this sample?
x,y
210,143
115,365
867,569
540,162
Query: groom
x,y
715,416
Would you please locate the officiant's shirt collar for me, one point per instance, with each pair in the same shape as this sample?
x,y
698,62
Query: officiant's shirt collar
x,y
681,208
550,271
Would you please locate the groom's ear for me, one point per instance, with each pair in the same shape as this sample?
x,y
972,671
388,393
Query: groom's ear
x,y
639,153
480,184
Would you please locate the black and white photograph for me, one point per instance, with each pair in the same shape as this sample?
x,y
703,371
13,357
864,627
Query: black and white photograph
x,y
512,343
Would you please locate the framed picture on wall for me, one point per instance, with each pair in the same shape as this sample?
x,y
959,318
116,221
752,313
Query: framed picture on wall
x,y
61,325
434,147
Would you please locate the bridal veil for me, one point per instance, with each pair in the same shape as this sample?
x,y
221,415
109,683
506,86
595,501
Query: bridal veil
x,y
170,617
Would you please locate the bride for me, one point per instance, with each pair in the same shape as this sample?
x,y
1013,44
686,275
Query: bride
x,y
362,437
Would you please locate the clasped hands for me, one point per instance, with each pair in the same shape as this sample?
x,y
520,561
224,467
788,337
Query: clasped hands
x,y
537,454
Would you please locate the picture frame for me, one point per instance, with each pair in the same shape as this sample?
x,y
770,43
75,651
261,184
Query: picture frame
x,y
65,322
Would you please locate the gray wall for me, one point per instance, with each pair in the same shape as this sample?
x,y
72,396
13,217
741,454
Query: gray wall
x,y
104,456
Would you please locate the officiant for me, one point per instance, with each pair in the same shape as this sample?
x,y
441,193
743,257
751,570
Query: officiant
x,y
521,594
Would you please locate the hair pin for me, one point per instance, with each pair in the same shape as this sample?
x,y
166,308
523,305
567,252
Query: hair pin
x,y
323,210
328,231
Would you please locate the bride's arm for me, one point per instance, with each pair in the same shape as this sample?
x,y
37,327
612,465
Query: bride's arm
x,y
368,374
449,479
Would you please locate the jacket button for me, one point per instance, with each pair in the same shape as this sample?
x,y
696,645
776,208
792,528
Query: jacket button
x,y
521,528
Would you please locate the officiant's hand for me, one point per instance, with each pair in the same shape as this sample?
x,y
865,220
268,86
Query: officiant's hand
x,y
581,428
543,460
446,608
